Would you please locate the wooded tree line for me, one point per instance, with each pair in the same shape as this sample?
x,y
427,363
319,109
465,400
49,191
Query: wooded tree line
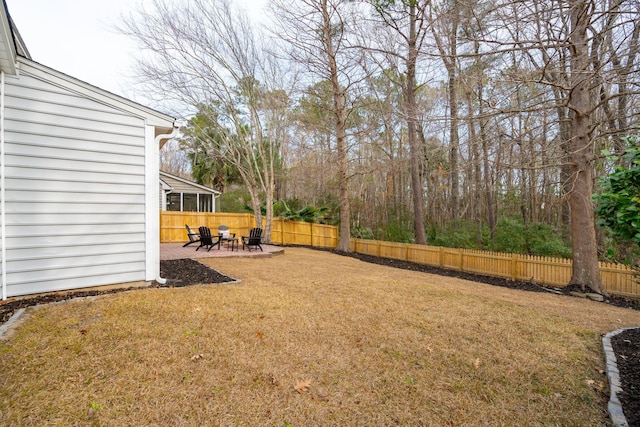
x,y
405,114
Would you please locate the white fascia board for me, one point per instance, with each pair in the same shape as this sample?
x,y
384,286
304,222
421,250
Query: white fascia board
x,y
165,186
162,122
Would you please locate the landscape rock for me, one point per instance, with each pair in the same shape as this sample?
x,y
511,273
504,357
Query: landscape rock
x,y
595,297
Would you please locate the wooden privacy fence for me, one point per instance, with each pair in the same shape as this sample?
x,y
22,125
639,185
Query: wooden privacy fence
x,y
617,279
172,228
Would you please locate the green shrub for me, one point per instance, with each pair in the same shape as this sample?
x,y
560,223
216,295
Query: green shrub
x,y
545,240
509,237
618,202
536,239
398,230
456,234
359,232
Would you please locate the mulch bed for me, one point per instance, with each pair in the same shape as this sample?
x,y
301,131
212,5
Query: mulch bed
x,y
626,346
186,272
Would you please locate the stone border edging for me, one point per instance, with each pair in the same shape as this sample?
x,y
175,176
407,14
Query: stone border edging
x,y
6,326
614,407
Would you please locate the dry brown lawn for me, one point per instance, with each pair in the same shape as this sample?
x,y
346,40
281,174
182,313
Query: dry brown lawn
x,y
311,339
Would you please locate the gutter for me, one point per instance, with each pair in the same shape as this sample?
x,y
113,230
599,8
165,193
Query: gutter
x,y
156,168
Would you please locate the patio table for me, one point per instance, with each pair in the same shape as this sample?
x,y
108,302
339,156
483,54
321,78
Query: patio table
x,y
232,243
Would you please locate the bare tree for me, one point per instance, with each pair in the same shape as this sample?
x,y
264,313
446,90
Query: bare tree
x,y
445,25
204,55
585,271
555,39
174,160
317,34
407,20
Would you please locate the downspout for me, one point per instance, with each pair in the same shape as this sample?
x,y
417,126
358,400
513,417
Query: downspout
x,y
156,167
3,228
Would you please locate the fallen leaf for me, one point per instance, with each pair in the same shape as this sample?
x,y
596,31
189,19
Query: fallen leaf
x,y
429,349
595,384
476,363
302,386
259,335
197,357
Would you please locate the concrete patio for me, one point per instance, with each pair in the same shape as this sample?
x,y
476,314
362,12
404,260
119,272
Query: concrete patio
x,y
177,251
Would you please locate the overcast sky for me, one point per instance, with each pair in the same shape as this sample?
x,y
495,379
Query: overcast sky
x,y
77,38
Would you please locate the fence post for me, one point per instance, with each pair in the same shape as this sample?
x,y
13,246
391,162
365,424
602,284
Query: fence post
x,y
514,267
282,242
311,232
441,257
461,260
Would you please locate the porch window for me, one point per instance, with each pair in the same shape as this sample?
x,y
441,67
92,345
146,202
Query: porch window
x,y
204,203
189,202
173,202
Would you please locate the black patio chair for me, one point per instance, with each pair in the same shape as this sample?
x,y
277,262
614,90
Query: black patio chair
x,y
192,235
253,239
207,240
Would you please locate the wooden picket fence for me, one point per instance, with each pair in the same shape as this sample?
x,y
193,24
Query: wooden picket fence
x,y
618,279
172,228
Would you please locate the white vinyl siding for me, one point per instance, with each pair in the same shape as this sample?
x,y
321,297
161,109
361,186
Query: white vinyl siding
x,y
74,189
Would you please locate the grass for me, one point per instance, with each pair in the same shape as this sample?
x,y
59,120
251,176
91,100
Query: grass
x,y
311,339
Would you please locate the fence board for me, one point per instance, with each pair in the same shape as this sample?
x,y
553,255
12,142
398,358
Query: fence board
x,y
423,254
393,250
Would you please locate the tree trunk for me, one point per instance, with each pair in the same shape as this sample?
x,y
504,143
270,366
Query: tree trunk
x,y
340,115
455,139
488,184
585,271
414,149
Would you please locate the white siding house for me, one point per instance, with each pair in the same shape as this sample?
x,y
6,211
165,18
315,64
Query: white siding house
x,y
78,179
